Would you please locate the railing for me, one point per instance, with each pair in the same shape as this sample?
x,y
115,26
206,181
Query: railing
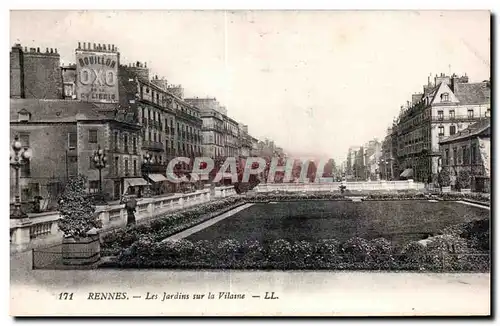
x,y
42,229
153,145
457,118
334,186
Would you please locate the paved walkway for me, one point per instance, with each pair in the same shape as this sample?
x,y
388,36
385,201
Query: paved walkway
x,y
472,204
206,224
299,293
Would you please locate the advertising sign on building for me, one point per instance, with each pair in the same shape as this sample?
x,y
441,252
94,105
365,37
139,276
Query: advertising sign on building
x,y
97,76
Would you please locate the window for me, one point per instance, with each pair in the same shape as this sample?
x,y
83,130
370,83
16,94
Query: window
x,y
26,169
93,136
24,139
134,145
23,116
93,186
125,143
72,140
117,165
453,130
473,154
440,115
441,131
69,89
470,113
116,140
446,157
143,113
135,167
455,156
91,163
465,156
30,192
452,114
445,97
126,167
154,136
149,134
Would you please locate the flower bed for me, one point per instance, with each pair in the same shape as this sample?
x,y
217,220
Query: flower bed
x,y
442,253
473,196
166,225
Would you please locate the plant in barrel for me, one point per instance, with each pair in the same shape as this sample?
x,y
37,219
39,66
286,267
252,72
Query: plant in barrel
x,y
78,223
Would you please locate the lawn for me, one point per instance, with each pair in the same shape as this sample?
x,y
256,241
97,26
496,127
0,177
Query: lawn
x,y
397,221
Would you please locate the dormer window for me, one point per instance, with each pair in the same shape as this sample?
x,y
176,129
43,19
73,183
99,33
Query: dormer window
x,y
445,97
23,116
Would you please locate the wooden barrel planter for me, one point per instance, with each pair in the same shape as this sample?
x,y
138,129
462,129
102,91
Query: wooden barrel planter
x,y
82,251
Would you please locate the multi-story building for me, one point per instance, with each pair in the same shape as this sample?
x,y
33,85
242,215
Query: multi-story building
x,y
445,107
350,161
231,136
79,112
213,133
245,141
387,161
468,152
97,103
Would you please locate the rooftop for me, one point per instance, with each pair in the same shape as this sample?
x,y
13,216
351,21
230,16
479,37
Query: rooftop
x,y
471,131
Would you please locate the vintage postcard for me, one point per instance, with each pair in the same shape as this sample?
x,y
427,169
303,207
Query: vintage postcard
x,y
250,163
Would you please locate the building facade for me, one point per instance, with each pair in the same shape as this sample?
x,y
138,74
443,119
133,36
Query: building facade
x,y
445,107
466,155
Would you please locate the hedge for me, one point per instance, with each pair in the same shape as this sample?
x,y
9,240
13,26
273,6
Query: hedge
x,y
166,225
442,253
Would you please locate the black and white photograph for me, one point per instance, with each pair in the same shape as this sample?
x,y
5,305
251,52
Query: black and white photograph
x,y
250,162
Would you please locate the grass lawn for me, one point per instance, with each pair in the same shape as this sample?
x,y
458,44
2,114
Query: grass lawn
x,y
397,221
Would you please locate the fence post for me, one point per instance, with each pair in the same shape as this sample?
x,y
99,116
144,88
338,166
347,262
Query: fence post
x,y
33,258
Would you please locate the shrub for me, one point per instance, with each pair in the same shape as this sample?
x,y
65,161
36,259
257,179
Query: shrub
x,y
280,251
327,251
444,179
302,253
77,209
464,179
357,249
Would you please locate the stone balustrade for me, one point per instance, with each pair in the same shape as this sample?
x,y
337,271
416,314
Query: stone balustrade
x,y
42,229
226,191
334,186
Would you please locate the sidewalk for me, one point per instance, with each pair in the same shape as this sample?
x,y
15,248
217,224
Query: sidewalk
x,y
300,293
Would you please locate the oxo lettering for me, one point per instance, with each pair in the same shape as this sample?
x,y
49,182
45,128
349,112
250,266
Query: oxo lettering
x,y
97,76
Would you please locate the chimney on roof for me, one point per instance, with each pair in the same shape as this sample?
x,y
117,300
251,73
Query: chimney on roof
x,y
145,64
79,45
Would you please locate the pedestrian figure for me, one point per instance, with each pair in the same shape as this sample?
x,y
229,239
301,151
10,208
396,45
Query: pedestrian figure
x,y
130,206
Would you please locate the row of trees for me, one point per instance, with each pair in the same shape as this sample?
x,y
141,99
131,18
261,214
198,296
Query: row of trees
x,y
463,181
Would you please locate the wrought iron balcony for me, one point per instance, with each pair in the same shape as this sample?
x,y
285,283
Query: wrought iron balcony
x,y
153,146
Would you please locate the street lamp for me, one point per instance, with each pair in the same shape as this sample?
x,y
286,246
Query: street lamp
x,y
148,160
20,157
100,161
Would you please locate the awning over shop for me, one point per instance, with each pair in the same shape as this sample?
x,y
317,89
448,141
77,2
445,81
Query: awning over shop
x,y
407,173
132,182
157,177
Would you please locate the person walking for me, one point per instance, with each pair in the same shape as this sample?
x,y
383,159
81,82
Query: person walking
x,y
130,206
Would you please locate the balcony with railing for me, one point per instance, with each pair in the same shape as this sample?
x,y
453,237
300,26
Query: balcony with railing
x,y
456,118
153,146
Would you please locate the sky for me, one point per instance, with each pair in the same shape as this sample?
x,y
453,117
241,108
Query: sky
x,y
315,82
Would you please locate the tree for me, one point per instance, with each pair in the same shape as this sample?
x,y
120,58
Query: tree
x,y
444,179
77,209
464,179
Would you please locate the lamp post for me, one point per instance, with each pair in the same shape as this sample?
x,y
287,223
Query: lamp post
x,y
148,160
20,157
100,161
